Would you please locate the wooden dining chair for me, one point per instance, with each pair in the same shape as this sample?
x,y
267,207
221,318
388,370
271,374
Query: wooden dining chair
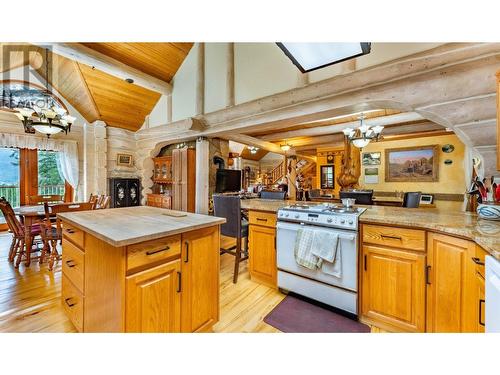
x,y
104,203
41,199
51,235
17,229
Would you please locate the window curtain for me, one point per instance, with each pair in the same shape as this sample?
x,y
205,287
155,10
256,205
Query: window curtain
x,y
67,162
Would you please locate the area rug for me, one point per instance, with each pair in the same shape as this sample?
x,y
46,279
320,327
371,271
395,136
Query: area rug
x,y
294,315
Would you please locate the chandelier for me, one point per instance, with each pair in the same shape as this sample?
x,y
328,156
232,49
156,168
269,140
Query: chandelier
x,y
253,149
42,113
363,135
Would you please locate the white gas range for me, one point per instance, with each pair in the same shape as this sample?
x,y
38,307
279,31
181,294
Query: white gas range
x,y
339,292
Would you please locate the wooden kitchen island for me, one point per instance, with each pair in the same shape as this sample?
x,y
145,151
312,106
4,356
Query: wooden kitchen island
x,y
141,269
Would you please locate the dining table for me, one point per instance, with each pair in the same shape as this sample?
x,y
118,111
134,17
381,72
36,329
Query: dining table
x,y
30,215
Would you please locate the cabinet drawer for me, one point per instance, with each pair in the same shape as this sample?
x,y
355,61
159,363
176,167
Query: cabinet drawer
x,y
74,234
73,264
72,301
402,238
266,219
154,251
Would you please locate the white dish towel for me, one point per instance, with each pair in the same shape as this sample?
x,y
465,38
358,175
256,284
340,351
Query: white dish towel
x,y
327,247
303,249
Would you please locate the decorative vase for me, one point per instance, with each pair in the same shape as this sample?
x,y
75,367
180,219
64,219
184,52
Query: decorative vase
x,y
488,211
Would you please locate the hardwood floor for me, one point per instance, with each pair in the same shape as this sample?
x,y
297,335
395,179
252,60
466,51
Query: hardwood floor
x,y
30,298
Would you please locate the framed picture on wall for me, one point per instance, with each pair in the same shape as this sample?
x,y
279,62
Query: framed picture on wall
x,y
412,164
371,158
124,160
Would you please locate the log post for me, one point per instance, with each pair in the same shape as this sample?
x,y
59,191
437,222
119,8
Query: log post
x,y
230,75
291,177
200,80
202,175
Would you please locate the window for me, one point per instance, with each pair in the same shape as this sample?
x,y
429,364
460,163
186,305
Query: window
x,y
327,177
9,178
49,179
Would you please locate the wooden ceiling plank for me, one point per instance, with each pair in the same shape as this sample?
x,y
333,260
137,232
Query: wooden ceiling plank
x,y
87,56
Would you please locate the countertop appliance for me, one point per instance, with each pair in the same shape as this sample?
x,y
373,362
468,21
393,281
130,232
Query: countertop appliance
x,y
340,292
492,312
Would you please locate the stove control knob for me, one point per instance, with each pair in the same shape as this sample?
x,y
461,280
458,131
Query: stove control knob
x,y
296,216
287,214
351,222
329,220
281,214
342,221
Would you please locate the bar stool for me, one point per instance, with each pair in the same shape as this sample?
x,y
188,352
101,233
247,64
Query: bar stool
x,y
229,207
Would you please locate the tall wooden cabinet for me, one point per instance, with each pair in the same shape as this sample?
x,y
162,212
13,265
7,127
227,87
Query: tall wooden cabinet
x,y
183,179
262,248
393,278
200,289
162,173
450,299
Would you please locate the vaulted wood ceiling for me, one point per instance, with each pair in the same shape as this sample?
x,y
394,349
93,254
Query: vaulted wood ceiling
x,y
160,60
98,95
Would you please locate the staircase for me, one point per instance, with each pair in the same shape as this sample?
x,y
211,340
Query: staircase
x,y
277,173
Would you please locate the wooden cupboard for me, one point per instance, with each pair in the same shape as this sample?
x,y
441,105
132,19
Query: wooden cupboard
x,y
153,299
393,293
162,173
169,284
450,297
183,179
200,289
159,200
418,281
262,248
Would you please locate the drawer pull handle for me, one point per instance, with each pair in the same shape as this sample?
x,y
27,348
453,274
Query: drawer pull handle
x,y
477,261
179,285
481,301
186,259
427,275
391,237
260,219
70,231
70,263
68,303
157,251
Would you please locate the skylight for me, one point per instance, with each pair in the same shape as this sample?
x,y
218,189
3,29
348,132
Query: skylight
x,y
311,56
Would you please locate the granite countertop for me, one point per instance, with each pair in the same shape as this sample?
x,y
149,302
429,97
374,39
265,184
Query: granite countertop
x,y
486,233
130,225
265,205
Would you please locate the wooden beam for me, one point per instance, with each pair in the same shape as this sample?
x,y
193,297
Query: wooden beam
x,y
252,141
106,64
337,128
432,133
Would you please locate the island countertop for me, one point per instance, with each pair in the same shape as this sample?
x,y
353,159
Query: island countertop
x,y
130,225
486,233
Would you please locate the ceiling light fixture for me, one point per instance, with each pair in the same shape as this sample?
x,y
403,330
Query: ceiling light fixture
x,y
363,135
40,113
312,56
253,149
285,147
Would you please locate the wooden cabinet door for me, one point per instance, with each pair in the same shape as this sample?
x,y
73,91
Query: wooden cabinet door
x,y
393,289
262,254
450,298
479,303
153,299
200,279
